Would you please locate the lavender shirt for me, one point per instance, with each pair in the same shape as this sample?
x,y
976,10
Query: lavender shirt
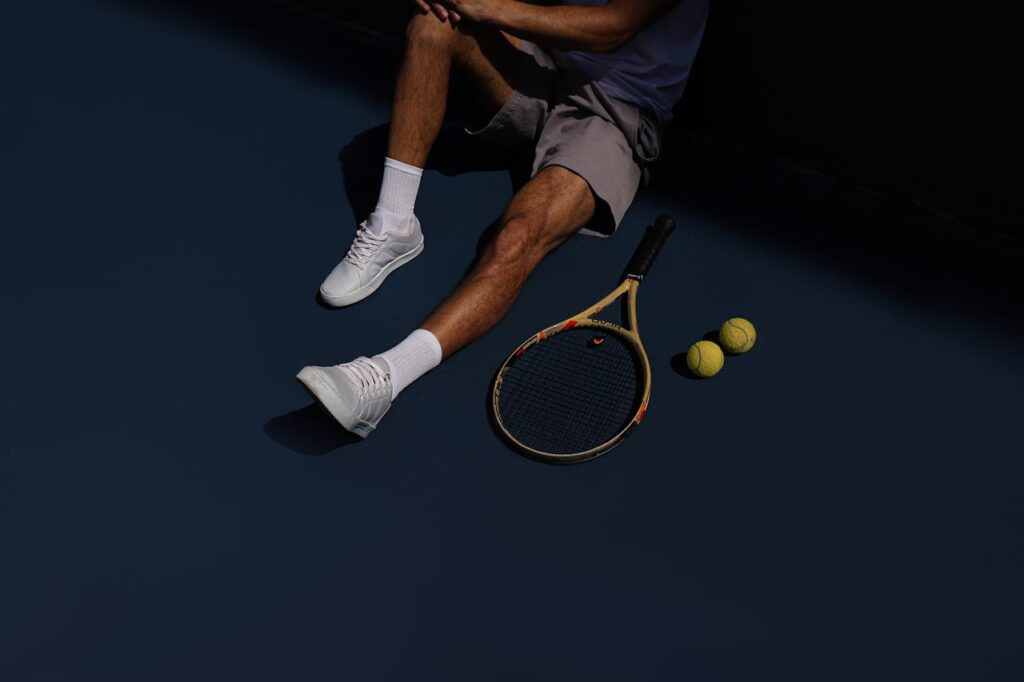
x,y
651,69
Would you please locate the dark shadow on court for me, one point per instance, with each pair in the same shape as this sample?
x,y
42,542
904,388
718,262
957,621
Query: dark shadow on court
x,y
309,431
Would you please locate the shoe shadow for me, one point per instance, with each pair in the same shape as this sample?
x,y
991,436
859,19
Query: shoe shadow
x,y
327,306
309,431
321,302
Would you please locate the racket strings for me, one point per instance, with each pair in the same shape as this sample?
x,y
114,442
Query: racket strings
x,y
572,392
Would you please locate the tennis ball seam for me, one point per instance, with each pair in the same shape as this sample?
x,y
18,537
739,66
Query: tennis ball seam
x,y
703,366
747,342
746,337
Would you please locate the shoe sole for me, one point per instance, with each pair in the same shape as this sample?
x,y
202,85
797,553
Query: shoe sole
x,y
371,286
310,379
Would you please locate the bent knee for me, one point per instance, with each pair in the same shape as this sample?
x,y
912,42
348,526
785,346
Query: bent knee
x,y
426,30
521,240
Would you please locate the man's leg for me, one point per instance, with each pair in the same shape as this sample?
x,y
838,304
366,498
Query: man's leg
x,y
546,211
391,235
487,58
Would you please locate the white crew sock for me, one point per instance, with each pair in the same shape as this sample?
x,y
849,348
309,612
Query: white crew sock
x,y
397,197
411,359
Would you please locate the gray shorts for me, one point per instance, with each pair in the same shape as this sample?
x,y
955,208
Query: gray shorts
x,y
565,119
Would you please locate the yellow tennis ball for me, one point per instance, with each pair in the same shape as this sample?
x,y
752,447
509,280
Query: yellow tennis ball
x,y
705,358
737,335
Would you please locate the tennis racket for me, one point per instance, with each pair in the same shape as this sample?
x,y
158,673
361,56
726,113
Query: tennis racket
x,y
575,390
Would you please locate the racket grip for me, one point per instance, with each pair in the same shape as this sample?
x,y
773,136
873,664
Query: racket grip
x,y
650,245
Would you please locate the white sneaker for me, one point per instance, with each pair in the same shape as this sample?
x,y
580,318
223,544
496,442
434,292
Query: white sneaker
x,y
369,260
357,393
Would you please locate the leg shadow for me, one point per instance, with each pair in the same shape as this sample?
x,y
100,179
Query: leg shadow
x,y
309,431
454,153
362,169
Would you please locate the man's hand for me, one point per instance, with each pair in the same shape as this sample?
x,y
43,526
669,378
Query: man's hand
x,y
482,11
438,10
590,28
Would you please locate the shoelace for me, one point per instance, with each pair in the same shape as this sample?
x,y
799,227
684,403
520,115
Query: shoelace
x,y
371,378
364,246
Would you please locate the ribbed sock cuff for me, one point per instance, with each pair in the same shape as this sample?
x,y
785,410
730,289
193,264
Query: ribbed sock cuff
x,y
419,353
398,193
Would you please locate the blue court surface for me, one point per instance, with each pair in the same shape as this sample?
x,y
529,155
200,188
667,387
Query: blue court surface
x,y
842,503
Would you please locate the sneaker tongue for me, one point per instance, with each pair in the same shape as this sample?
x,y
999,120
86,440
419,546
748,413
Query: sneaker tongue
x,y
381,221
382,364
377,224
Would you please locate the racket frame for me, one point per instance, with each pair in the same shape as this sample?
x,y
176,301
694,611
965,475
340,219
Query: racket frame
x,y
630,334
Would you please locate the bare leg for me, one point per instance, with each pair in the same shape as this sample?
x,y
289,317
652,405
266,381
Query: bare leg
x,y
487,57
546,211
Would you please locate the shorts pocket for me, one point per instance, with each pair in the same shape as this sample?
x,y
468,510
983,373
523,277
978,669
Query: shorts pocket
x,y
648,139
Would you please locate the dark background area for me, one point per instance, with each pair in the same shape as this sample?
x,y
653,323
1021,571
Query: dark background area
x,y
919,99
842,503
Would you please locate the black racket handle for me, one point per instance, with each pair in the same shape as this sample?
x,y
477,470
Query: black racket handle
x,y
650,245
